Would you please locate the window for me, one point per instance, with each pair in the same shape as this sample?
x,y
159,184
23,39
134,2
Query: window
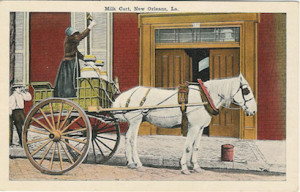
x,y
99,42
21,69
192,35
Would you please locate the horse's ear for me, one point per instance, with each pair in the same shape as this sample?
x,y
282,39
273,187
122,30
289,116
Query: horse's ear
x,y
241,77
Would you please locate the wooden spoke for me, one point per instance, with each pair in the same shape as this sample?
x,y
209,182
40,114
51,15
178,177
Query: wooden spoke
x,y
37,140
74,131
37,131
68,155
52,116
46,118
99,148
78,144
46,152
53,142
111,131
107,138
73,139
40,123
59,114
60,158
105,127
52,157
104,144
96,123
42,146
71,124
67,116
79,124
94,151
72,147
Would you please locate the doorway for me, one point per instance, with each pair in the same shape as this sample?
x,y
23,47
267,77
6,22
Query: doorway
x,y
180,27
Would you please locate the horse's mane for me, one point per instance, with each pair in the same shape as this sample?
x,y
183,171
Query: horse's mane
x,y
221,87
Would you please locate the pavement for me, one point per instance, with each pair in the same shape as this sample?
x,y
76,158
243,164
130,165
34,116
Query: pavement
x,y
166,151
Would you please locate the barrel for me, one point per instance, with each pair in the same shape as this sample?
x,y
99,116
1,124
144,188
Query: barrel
x,y
227,152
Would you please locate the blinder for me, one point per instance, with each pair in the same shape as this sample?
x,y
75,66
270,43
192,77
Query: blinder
x,y
245,91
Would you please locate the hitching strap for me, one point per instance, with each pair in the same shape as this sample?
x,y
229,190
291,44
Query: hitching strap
x,y
144,98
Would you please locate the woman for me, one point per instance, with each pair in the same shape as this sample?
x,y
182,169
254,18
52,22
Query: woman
x,y
65,83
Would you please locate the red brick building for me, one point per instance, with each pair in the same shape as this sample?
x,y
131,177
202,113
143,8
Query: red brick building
x,y
46,36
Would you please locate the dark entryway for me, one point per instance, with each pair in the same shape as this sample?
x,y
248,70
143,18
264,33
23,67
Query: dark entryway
x,y
200,68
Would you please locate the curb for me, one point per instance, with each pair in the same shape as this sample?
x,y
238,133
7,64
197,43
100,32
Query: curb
x,y
159,161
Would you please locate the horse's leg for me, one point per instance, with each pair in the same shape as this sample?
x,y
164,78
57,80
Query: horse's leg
x,y
128,151
191,135
136,158
131,138
194,158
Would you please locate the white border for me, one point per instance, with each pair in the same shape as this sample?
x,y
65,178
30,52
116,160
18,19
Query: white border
x,y
291,8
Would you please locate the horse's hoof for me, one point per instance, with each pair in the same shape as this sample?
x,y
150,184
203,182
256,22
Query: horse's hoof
x,y
131,166
198,170
140,169
185,172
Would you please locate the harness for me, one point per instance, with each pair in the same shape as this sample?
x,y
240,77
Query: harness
x,y
183,92
210,108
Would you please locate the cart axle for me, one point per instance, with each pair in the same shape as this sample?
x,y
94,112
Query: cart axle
x,y
55,136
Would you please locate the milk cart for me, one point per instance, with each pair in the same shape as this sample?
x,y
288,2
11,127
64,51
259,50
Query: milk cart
x,y
59,132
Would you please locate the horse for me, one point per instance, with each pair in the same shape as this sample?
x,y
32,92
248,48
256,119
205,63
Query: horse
x,y
223,92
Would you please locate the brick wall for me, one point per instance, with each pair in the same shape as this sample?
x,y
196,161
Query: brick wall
x,y
272,77
47,33
126,49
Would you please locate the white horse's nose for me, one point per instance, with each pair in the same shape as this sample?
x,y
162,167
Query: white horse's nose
x,y
250,113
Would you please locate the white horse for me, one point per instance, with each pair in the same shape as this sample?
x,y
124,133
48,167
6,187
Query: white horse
x,y
223,92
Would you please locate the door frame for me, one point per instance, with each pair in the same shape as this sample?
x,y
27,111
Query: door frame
x,y
247,22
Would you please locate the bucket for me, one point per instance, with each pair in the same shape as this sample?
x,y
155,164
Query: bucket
x,y
227,152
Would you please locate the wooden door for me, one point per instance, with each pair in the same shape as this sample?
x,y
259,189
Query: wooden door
x,y
172,67
225,63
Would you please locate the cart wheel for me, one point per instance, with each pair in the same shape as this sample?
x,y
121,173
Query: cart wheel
x,y
50,128
105,137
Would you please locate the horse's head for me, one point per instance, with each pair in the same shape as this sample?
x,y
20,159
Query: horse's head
x,y
242,95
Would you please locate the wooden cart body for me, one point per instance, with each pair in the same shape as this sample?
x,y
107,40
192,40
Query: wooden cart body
x,y
90,92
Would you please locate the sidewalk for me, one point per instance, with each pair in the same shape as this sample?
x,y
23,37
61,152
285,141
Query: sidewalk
x,y
166,151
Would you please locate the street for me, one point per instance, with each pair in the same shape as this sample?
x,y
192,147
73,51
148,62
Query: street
x,y
21,169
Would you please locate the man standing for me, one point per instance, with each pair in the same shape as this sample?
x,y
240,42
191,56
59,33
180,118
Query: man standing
x,y
16,110
66,79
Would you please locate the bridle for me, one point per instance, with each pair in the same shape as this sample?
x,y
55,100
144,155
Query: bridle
x,y
245,91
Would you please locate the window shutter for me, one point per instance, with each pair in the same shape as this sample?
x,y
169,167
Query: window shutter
x,y
21,46
79,22
100,45
98,38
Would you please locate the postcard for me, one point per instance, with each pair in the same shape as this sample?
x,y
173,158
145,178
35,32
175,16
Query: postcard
x,y
149,96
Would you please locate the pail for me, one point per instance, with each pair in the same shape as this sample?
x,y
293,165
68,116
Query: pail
x,y
90,72
227,152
